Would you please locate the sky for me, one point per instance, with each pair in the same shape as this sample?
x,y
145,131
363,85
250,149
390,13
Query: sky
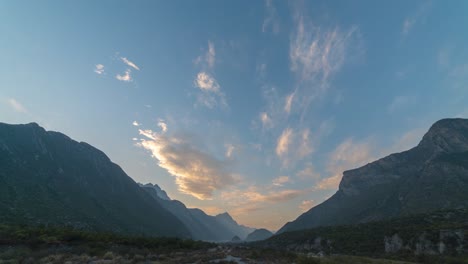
x,y
250,107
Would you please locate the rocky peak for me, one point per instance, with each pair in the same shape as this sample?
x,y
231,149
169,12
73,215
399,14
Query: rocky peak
x,y
447,135
159,192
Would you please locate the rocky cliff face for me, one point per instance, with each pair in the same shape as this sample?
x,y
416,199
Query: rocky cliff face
x,y
48,178
430,176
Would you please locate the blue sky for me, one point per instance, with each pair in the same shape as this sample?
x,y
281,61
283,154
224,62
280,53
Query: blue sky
x,y
250,107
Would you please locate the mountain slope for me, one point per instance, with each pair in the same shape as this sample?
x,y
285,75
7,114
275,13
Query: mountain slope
x,y
202,226
259,234
428,177
48,178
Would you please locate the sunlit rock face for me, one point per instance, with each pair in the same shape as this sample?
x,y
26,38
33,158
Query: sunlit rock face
x,y
431,176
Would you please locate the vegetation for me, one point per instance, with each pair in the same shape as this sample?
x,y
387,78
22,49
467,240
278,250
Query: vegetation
x,y
369,239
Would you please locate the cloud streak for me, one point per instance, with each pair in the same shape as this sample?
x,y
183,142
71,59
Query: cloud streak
x,y
17,106
129,63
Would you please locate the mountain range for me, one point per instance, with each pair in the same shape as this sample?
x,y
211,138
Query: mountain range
x,y
431,176
205,227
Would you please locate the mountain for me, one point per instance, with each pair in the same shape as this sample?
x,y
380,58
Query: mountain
x,y
259,234
229,223
47,178
159,192
431,176
201,226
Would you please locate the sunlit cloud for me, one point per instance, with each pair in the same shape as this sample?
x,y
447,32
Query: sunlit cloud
x,y
135,123
306,205
99,69
17,106
283,142
196,173
348,155
206,82
281,180
305,146
126,77
211,95
266,120
129,63
253,199
162,124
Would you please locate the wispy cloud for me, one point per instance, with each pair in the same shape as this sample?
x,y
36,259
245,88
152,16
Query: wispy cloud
x,y
162,124
129,63
306,205
207,60
210,95
17,106
197,173
288,103
281,180
400,102
271,18
348,155
418,17
253,199
99,69
308,172
229,150
135,123
283,142
317,53
126,77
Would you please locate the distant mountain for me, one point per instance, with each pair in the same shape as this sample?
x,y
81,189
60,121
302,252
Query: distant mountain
x,y
48,178
202,226
159,192
431,176
228,222
259,234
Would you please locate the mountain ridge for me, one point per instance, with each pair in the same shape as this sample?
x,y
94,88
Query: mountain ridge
x,y
48,178
386,187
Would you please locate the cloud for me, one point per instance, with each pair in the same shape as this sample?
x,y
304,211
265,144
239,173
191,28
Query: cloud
x,y
126,77
306,205
281,180
348,155
99,69
308,172
271,18
316,54
305,146
196,173
162,125
211,95
266,120
135,123
284,140
129,63
400,102
206,83
229,150
288,103
418,17
208,60
17,106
